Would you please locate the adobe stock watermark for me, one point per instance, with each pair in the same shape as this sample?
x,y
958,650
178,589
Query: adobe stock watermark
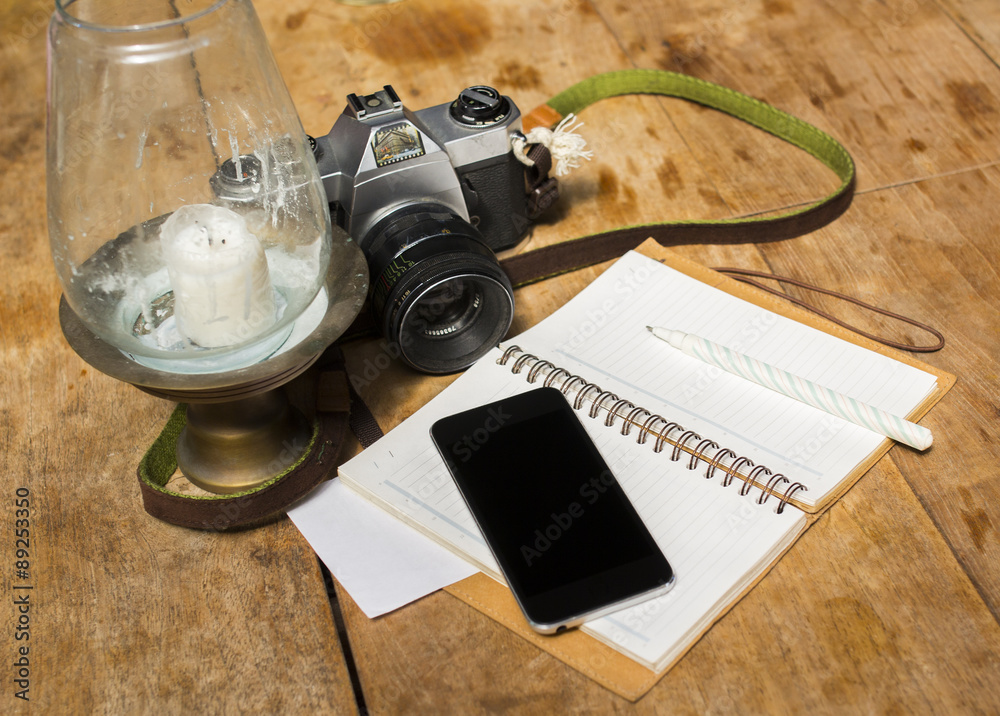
x,y
564,10
641,617
32,24
707,374
374,26
828,428
711,30
463,449
129,100
543,538
600,316
738,521
22,506
471,442
371,368
901,13
614,136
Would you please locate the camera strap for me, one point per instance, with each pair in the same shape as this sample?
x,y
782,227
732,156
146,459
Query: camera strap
x,y
553,260
335,408
566,256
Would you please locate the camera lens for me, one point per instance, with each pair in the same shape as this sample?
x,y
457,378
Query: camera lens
x,y
437,290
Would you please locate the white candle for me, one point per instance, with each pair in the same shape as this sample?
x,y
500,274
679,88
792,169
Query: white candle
x,y
218,272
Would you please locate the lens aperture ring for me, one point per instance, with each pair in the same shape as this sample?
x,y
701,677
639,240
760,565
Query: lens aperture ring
x,y
438,247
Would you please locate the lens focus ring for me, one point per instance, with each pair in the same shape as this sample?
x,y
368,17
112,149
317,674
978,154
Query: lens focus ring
x,y
438,291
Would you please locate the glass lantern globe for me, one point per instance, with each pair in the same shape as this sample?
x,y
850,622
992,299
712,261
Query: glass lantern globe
x,y
188,223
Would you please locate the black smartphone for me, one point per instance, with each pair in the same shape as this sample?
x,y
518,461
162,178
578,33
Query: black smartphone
x,y
568,540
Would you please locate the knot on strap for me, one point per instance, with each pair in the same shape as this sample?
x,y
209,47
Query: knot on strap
x,y
566,147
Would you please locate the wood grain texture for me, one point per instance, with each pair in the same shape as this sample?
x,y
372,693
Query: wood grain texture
x,y
851,619
858,615
908,93
898,82
940,251
128,614
888,604
980,19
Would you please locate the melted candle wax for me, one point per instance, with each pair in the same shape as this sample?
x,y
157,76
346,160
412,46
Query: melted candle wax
x,y
218,272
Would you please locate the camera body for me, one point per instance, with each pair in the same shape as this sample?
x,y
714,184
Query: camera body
x,y
379,156
430,196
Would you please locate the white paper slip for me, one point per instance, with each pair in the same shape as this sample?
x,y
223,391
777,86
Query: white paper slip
x,y
382,563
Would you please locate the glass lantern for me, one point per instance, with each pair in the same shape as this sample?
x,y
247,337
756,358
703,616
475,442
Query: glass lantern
x,y
187,220
189,226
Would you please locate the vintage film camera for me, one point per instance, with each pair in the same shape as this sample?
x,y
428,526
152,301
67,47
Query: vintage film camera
x,y
430,196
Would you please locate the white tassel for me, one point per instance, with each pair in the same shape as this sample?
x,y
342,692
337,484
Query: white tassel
x,y
564,144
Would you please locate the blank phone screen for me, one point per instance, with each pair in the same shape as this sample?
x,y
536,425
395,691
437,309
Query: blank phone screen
x,y
566,536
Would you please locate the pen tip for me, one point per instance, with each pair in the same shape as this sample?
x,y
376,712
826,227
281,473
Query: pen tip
x,y
649,328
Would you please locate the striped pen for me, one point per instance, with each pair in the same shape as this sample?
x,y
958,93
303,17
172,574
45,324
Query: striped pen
x,y
798,388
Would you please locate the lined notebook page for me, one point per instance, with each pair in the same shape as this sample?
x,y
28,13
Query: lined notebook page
x,y
601,334
716,540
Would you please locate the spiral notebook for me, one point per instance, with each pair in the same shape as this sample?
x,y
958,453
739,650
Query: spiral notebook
x,y
725,474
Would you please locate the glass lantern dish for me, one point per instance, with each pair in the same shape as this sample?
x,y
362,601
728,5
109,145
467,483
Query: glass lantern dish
x,y
187,220
188,224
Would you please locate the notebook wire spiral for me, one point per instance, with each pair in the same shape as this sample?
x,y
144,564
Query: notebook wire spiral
x,y
649,424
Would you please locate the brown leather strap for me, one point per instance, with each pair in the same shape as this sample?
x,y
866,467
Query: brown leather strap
x,y
745,275
566,256
363,423
570,255
219,512
224,512
543,190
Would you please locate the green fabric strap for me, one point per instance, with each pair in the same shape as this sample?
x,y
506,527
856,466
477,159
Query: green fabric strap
x,y
219,512
760,114
567,256
160,462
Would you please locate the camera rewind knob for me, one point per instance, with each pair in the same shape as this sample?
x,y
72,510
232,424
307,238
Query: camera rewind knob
x,y
480,105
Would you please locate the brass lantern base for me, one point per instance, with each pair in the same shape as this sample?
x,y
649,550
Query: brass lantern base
x,y
234,446
241,430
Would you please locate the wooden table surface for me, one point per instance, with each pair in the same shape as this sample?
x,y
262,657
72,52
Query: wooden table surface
x,y
889,604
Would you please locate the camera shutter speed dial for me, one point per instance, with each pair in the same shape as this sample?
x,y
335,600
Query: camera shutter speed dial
x,y
480,106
